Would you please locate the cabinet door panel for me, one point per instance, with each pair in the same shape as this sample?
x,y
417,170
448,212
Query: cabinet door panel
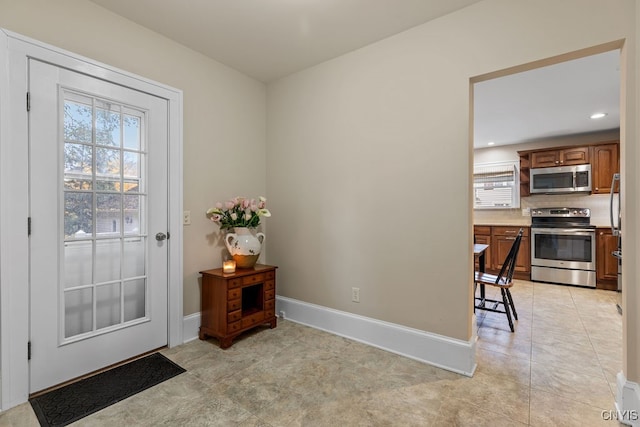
x,y
574,156
488,263
545,159
523,261
606,264
502,246
606,162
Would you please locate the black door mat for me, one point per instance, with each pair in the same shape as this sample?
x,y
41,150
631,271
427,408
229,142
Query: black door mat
x,y
75,401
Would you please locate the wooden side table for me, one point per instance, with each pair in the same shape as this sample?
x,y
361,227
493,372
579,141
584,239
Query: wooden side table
x,y
233,303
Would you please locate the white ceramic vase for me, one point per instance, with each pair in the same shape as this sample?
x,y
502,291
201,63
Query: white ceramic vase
x,y
244,245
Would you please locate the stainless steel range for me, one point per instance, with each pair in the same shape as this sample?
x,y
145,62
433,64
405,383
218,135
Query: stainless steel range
x,y
563,246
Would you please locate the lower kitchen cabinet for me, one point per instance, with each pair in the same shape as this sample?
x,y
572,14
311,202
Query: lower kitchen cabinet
x,y
500,239
606,264
482,235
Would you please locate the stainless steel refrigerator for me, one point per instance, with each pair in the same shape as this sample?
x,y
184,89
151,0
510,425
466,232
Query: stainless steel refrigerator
x,y
615,214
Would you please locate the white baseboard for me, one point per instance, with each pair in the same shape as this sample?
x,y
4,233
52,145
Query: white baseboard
x,y
627,401
448,353
190,327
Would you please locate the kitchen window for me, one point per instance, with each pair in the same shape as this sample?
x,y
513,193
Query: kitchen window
x,y
496,186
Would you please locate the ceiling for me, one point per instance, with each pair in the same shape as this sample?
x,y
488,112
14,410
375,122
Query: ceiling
x,y
551,101
269,39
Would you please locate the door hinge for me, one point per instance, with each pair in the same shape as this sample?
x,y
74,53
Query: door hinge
x,y
29,226
29,350
28,101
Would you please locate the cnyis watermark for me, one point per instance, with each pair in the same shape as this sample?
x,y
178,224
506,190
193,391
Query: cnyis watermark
x,y
626,415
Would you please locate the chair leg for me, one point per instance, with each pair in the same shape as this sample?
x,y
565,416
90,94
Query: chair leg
x,y
505,303
513,307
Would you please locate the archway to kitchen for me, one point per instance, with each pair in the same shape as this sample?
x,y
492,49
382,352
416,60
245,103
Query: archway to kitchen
x,y
538,116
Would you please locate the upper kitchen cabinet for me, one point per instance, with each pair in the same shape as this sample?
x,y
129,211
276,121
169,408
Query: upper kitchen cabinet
x,y
604,158
605,162
561,157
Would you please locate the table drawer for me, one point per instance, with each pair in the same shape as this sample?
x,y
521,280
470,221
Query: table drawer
x,y
270,274
509,230
234,283
482,230
269,294
233,305
268,314
234,316
255,278
233,327
269,284
234,293
269,304
253,319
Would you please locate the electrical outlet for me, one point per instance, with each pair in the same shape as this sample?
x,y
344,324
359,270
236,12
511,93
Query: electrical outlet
x,y
355,294
526,211
186,218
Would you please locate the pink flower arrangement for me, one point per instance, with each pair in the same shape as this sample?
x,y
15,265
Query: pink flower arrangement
x,y
239,212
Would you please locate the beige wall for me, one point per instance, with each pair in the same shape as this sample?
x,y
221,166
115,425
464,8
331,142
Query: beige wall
x,y
369,158
224,111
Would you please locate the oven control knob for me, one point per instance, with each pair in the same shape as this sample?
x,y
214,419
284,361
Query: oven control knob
x,y
576,212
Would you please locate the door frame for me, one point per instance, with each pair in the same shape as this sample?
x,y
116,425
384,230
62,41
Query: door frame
x,y
15,50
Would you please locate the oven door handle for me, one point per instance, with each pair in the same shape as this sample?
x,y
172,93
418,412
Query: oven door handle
x,y
572,231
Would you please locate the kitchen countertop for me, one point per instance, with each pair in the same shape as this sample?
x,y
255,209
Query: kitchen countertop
x,y
525,224
509,223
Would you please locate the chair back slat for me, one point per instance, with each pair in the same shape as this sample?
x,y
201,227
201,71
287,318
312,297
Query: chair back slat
x,y
509,265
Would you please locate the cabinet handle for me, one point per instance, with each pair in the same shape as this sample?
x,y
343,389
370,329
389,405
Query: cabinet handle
x,y
597,188
601,233
510,238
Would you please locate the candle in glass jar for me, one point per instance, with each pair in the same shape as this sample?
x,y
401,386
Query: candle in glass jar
x,y
229,266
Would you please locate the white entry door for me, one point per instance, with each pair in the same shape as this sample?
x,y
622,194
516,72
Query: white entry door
x,y
98,198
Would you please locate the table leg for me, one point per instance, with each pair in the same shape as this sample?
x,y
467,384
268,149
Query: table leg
x,y
481,267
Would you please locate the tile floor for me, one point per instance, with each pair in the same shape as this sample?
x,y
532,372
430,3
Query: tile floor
x,y
558,368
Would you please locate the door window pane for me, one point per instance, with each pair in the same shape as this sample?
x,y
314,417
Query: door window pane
x,y
134,299
107,260
107,305
133,257
78,117
131,164
107,163
132,224
131,132
78,313
78,263
108,213
78,215
107,124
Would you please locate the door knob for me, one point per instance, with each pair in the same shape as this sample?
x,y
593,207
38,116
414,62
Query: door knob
x,y
160,237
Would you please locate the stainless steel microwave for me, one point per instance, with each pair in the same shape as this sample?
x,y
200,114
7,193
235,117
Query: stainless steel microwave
x,y
561,179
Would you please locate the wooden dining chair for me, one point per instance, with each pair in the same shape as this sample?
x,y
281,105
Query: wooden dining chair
x,y
504,281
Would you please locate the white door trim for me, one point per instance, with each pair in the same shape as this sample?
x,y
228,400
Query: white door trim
x,y
14,199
